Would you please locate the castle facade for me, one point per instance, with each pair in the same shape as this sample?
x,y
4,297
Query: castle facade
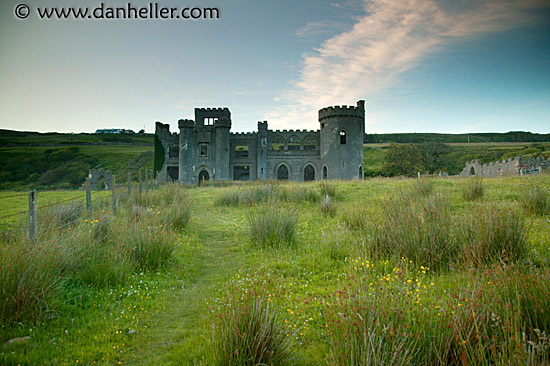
x,y
206,149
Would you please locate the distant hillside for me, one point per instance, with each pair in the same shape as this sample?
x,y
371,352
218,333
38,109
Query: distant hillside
x,y
420,138
60,160
23,138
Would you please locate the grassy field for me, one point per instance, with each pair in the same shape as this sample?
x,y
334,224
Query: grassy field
x,y
384,271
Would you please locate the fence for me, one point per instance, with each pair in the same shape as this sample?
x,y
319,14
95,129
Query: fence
x,y
88,202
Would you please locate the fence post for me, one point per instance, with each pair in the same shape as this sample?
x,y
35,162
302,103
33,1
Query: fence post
x,y
89,198
33,220
139,176
146,180
129,184
113,188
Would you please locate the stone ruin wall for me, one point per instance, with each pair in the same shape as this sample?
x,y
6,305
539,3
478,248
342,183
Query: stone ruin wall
x,y
515,166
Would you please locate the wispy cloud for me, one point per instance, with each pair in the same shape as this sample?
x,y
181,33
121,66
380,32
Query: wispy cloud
x,y
391,38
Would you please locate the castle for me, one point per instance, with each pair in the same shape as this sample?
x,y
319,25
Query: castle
x,y
205,149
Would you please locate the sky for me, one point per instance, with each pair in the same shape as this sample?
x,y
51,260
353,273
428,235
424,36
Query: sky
x,y
446,66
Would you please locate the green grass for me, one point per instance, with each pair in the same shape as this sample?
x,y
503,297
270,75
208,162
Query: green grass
x,y
328,291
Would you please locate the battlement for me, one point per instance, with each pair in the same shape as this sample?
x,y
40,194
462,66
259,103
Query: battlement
x,y
283,132
201,113
243,134
343,111
215,110
159,126
189,123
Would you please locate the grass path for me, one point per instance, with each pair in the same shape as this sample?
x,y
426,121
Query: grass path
x,y
176,337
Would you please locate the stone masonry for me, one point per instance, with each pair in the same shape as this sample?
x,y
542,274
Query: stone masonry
x,y
515,166
206,149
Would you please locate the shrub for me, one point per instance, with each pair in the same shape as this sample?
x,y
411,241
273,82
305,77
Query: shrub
x,y
417,230
253,334
473,189
536,200
494,235
271,226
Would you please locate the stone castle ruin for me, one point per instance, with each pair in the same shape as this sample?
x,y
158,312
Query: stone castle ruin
x,y
205,149
516,166
100,179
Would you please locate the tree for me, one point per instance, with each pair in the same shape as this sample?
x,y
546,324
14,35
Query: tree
x,y
403,159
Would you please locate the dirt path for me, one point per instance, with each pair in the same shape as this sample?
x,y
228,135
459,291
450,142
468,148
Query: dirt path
x,y
176,337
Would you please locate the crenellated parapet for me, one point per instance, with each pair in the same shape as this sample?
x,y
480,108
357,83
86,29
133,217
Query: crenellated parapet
x,y
186,123
343,111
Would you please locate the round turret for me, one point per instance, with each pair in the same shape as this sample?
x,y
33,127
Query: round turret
x,y
342,131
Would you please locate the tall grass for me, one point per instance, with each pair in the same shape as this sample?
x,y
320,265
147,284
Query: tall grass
x,y
266,192
150,247
473,189
271,226
392,320
60,216
423,187
493,234
536,200
32,275
327,206
101,252
420,230
327,189
253,334
177,215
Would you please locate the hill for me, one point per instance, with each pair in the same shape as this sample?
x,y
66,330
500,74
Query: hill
x,y
419,138
61,160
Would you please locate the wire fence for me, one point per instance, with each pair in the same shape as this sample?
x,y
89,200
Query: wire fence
x,y
43,213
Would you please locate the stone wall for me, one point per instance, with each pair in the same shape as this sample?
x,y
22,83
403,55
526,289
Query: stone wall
x,y
515,166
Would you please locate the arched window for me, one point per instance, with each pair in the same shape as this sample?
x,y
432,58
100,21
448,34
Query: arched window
x,y
325,173
277,143
343,137
361,172
293,143
472,171
310,143
282,172
309,173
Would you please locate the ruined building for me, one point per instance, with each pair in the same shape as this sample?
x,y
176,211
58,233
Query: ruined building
x,y
206,149
515,166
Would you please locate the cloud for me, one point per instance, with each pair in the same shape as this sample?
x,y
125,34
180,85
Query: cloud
x,y
391,38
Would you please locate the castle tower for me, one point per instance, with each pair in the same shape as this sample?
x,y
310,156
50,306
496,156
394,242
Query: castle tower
x,y
262,150
187,156
342,131
222,126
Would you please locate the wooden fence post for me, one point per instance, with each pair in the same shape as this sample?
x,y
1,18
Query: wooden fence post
x,y
113,188
89,198
129,184
33,220
139,178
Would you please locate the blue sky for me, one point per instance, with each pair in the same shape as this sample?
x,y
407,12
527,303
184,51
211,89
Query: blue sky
x,y
422,66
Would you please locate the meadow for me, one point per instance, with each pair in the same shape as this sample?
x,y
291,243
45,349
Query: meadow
x,y
376,272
